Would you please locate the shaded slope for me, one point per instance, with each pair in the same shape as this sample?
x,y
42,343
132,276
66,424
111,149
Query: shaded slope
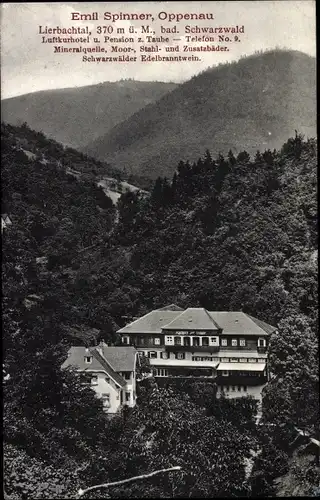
x,y
254,103
76,116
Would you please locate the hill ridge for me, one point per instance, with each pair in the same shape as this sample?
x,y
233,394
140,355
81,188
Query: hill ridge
x,y
255,102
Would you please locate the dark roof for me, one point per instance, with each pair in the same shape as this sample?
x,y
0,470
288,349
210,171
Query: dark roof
x,y
230,322
113,360
104,363
152,322
238,323
193,318
122,359
267,328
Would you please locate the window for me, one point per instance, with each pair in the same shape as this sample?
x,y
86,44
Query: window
x,y
234,342
224,342
94,380
252,360
242,342
164,355
161,372
127,397
205,341
156,341
180,355
225,360
234,360
243,360
152,354
196,341
214,340
239,388
177,341
187,342
227,388
107,380
245,388
261,342
126,375
233,388
168,340
106,399
126,340
88,359
261,360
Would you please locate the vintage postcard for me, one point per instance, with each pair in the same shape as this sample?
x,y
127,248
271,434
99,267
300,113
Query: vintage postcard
x,y
160,249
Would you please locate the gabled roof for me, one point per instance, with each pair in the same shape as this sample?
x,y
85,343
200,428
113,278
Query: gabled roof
x,y
6,218
150,323
113,374
114,359
230,322
267,328
122,359
237,322
193,318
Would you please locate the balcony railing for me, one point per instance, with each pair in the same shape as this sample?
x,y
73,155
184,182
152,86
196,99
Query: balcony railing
x,y
238,347
193,348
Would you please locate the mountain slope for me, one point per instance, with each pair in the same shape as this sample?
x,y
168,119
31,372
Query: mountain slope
x,y
254,103
76,116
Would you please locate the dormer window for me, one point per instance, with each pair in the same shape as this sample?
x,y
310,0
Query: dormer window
x,y
88,359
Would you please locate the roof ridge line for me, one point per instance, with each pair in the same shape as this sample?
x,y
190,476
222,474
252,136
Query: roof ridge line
x,y
214,322
168,324
138,319
252,318
95,352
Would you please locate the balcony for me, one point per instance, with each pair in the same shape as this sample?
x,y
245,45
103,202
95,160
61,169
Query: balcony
x,y
182,362
239,348
193,348
249,380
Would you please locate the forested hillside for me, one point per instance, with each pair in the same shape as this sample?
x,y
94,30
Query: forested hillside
x,y
254,103
76,116
231,233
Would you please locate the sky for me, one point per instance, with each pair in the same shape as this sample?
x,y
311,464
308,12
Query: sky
x,y
27,65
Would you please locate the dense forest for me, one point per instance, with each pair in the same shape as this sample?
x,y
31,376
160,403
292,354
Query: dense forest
x,y
258,100
231,233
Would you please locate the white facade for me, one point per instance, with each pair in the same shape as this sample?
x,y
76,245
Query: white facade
x,y
238,391
112,395
227,346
